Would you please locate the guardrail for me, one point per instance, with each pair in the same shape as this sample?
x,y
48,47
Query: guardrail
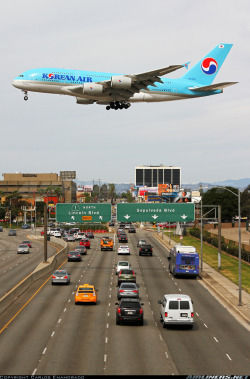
x,y
41,270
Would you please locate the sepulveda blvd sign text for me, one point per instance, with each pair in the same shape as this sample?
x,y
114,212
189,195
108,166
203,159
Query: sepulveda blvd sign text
x,y
145,212
92,212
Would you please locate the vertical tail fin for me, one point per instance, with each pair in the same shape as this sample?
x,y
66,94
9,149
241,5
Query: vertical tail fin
x,y
208,67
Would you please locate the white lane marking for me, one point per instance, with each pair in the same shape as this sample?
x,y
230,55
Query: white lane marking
x,y
59,321
69,301
64,309
166,354
44,351
106,340
52,334
109,304
107,325
228,357
205,325
179,289
216,339
197,314
108,314
33,373
160,337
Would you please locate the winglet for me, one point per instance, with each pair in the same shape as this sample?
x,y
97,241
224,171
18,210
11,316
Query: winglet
x,y
186,65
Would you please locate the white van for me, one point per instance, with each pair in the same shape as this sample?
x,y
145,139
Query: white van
x,y
176,310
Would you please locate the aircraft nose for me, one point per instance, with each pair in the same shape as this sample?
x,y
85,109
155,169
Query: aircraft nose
x,y
17,83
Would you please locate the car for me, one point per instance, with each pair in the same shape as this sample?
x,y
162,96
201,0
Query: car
x,y
79,235
126,275
57,234
129,310
111,223
60,277
130,290
12,232
107,243
74,256
120,265
127,226
132,229
26,226
123,249
90,235
122,238
140,243
120,230
85,242
81,249
23,248
86,293
69,238
1,228
146,250
176,309
27,243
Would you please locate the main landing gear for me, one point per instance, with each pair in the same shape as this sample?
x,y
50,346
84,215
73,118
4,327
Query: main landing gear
x,y
117,105
25,95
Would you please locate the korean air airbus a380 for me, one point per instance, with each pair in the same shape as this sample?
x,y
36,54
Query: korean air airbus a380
x,y
118,91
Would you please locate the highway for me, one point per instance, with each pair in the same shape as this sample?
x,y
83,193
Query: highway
x,y
46,333
15,267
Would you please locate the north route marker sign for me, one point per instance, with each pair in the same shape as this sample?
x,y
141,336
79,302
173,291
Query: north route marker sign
x,y
145,212
91,212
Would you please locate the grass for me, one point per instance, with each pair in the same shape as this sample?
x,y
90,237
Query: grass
x,y
229,264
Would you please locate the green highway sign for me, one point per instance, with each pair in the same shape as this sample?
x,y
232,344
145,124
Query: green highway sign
x,y
148,212
82,212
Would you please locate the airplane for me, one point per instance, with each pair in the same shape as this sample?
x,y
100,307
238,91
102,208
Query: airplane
x,y
118,91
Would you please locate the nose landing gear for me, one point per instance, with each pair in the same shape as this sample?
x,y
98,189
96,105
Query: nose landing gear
x,y
25,95
117,105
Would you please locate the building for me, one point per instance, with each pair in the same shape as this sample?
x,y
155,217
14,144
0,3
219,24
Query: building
x,y
152,176
34,186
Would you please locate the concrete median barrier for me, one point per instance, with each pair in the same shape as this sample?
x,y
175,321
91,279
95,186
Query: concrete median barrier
x,y
43,269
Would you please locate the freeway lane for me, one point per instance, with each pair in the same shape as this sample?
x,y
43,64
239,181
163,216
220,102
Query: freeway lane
x,y
54,336
15,267
217,338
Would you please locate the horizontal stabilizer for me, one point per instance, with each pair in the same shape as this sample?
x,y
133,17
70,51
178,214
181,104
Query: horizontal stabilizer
x,y
212,87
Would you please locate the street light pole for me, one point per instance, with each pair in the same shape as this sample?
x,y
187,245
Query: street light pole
x,y
201,237
240,297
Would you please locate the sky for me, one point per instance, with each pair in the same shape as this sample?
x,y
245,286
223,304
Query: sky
x,y
207,137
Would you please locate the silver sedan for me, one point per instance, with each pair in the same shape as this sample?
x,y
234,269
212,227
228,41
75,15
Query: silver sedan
x,y
23,248
60,276
130,290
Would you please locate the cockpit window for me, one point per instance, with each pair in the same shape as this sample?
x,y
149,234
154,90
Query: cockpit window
x,y
21,76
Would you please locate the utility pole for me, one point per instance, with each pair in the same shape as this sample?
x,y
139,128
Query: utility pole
x,y
45,232
219,237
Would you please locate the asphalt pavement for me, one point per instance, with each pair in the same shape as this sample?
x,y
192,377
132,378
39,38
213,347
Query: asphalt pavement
x,y
222,288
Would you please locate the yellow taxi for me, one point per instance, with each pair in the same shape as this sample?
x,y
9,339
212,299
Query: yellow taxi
x,y
85,293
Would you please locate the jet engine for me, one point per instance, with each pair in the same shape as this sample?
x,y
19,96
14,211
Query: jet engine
x,y
121,82
92,89
81,100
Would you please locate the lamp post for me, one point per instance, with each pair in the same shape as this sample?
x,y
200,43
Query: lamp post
x,y
239,215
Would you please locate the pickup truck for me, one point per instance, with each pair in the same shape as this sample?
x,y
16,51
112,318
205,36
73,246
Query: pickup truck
x,y
107,244
146,250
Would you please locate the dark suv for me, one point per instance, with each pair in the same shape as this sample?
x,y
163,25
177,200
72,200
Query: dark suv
x,y
129,310
146,250
122,238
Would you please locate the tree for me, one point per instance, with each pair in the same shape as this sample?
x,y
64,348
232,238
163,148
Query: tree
x,y
104,192
225,198
245,202
111,192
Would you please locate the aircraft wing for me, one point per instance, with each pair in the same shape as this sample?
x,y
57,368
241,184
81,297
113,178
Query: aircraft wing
x,y
138,82
212,87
